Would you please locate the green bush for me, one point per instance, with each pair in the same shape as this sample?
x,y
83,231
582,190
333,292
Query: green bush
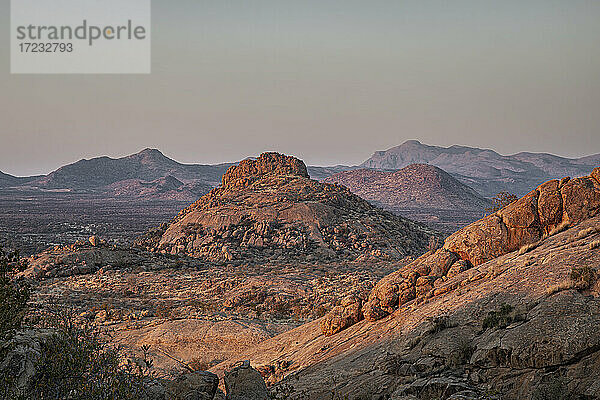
x,y
76,363
14,295
501,318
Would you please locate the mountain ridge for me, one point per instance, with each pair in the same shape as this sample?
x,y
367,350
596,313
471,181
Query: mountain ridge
x,y
485,170
421,192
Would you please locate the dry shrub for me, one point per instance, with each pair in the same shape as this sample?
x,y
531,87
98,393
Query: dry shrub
x,y
563,226
587,232
527,248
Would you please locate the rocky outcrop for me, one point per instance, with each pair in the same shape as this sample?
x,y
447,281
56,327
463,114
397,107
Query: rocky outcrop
x,y
268,209
552,205
94,255
199,385
346,314
245,383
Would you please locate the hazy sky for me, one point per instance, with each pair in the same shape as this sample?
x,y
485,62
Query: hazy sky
x,y
328,81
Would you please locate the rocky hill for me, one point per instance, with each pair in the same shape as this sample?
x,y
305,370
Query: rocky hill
x,y
484,170
269,208
146,173
7,180
419,191
166,188
507,309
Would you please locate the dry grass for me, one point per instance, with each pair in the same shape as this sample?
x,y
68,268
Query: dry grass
x,y
559,228
564,285
528,247
587,232
595,244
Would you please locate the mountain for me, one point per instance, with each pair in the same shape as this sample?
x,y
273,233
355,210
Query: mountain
x,y
7,180
269,208
419,191
147,165
508,308
484,170
166,188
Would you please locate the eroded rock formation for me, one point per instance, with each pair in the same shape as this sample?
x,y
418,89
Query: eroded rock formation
x,y
552,206
269,209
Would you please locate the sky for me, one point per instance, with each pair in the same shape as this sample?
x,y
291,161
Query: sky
x,y
328,81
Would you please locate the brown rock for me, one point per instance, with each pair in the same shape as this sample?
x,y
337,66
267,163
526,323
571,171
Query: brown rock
x,y
550,208
341,317
199,385
245,383
581,199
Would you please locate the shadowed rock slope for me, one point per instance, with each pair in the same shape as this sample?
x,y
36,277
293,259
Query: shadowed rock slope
x,y
507,309
269,209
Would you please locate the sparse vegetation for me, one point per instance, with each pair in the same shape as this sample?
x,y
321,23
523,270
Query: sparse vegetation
x,y
500,201
563,226
74,362
462,354
586,275
581,278
555,390
501,318
439,324
587,232
559,287
527,248
13,295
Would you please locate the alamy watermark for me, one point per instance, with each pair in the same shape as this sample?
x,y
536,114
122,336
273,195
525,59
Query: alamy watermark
x,y
80,36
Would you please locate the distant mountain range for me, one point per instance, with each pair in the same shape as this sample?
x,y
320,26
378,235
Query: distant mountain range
x,y
485,170
149,174
419,191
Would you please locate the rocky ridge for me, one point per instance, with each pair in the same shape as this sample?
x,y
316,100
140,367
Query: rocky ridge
x,y
484,170
269,208
553,205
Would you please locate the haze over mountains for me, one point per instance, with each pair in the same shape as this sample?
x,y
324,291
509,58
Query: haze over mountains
x,y
421,192
149,174
485,170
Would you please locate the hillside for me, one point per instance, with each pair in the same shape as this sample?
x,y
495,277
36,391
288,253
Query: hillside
x,y
507,309
137,175
419,191
7,180
484,170
269,208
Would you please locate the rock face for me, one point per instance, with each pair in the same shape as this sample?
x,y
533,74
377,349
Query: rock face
x,y
245,383
346,314
522,223
269,209
419,191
